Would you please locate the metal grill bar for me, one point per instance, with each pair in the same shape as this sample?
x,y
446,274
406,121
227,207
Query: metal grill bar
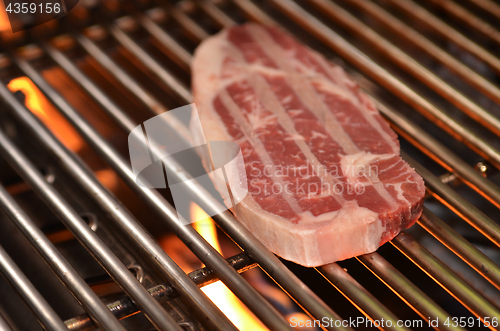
x,y
215,13
123,218
410,65
82,292
341,46
30,295
90,240
438,26
124,307
150,63
152,309
405,289
182,56
4,326
459,205
357,294
126,80
410,35
206,253
191,27
473,21
446,278
461,247
488,6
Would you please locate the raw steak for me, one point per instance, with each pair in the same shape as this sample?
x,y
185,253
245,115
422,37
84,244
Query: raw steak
x,y
325,180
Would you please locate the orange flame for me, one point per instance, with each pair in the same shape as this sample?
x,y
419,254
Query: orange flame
x,y
4,19
45,111
220,295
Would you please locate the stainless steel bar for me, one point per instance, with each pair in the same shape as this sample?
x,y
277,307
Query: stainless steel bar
x,y
152,309
149,62
183,56
154,253
341,46
488,6
4,326
405,289
468,18
441,154
124,307
412,36
69,277
457,203
129,83
267,261
179,52
406,62
461,247
215,13
125,79
44,313
186,22
365,302
413,9
447,279
247,294
254,12
277,271
205,276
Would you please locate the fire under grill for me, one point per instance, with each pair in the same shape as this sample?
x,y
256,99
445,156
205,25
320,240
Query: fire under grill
x,y
74,88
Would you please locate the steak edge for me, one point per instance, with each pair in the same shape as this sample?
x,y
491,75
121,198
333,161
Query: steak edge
x,y
324,176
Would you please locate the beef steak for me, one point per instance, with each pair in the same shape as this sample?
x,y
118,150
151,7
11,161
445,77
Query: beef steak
x,y
324,176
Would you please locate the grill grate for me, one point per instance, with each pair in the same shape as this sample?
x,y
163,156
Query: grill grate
x,y
431,68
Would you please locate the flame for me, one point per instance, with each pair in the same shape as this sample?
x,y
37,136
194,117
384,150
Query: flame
x,y
4,19
47,113
220,295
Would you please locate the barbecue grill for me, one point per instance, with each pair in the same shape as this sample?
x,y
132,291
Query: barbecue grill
x,y
433,68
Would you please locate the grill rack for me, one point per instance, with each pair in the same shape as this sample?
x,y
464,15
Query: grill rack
x,y
361,298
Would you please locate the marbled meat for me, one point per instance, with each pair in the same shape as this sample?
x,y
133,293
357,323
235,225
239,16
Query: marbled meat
x,y
324,176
